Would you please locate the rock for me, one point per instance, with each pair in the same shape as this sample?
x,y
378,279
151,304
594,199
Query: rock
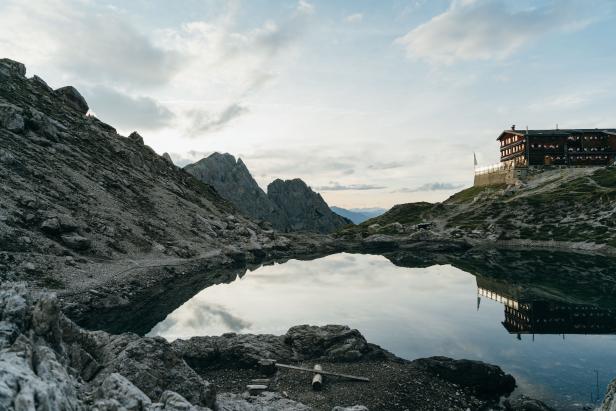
x,y
233,181
11,118
8,66
136,137
76,242
73,99
40,82
335,343
118,388
167,157
523,403
609,401
51,225
485,379
305,209
266,401
49,363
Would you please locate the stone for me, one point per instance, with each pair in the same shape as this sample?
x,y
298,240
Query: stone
x,y
73,99
524,403
609,401
76,242
484,379
9,66
266,401
11,118
118,388
136,137
167,157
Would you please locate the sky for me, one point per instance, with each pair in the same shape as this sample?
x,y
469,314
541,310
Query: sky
x,y
372,103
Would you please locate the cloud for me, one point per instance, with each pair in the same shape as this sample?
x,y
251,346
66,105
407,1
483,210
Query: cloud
x,y
89,42
354,18
431,187
304,7
335,186
204,122
492,29
385,165
127,112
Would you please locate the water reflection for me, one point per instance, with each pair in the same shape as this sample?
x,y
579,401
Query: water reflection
x,y
527,316
463,307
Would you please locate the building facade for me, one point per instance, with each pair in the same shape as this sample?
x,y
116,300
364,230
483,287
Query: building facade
x,y
567,147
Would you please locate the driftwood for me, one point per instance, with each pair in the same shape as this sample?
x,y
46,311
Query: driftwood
x,y
256,389
317,380
335,374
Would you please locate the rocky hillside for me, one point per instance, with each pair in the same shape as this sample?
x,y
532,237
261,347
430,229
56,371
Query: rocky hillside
x,y
233,181
575,208
288,205
77,196
305,209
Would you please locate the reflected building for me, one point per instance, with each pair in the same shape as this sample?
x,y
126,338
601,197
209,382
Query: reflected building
x,y
528,315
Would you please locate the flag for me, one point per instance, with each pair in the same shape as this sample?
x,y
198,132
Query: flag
x,y
475,158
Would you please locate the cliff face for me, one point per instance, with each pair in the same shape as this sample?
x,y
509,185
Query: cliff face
x,y
305,209
289,205
233,181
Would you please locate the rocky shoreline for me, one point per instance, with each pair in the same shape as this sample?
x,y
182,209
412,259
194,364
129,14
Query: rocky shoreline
x,y
50,363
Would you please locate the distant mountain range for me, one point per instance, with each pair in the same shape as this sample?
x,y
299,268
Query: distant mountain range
x,y
289,205
358,215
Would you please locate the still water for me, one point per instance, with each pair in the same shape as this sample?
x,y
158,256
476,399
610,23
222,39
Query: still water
x,y
557,350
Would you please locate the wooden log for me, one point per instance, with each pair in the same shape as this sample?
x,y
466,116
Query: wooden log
x,y
335,374
256,389
262,381
317,380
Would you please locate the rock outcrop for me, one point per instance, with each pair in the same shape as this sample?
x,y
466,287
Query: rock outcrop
x,y
305,209
331,343
288,205
233,181
49,363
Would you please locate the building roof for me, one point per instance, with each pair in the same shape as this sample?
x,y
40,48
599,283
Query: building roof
x,y
559,132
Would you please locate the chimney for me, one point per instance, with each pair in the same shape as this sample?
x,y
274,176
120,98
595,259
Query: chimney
x,y
513,127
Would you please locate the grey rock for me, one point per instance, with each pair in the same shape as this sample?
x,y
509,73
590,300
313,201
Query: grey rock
x,y
11,118
76,242
334,343
40,82
305,209
9,66
118,388
136,137
486,380
73,99
524,403
266,401
167,157
609,401
233,181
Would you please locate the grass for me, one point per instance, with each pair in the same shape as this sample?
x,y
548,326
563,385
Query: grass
x,y
470,193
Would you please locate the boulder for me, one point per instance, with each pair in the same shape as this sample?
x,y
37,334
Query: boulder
x,y
136,137
486,380
609,401
73,99
266,401
76,242
118,388
335,343
524,403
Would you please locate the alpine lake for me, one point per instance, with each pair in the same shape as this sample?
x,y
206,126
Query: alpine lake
x,y
547,318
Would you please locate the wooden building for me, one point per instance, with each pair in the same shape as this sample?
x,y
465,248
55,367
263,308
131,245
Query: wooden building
x,y
566,147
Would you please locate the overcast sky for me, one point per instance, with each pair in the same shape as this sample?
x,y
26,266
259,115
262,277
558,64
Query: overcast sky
x,y
372,103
